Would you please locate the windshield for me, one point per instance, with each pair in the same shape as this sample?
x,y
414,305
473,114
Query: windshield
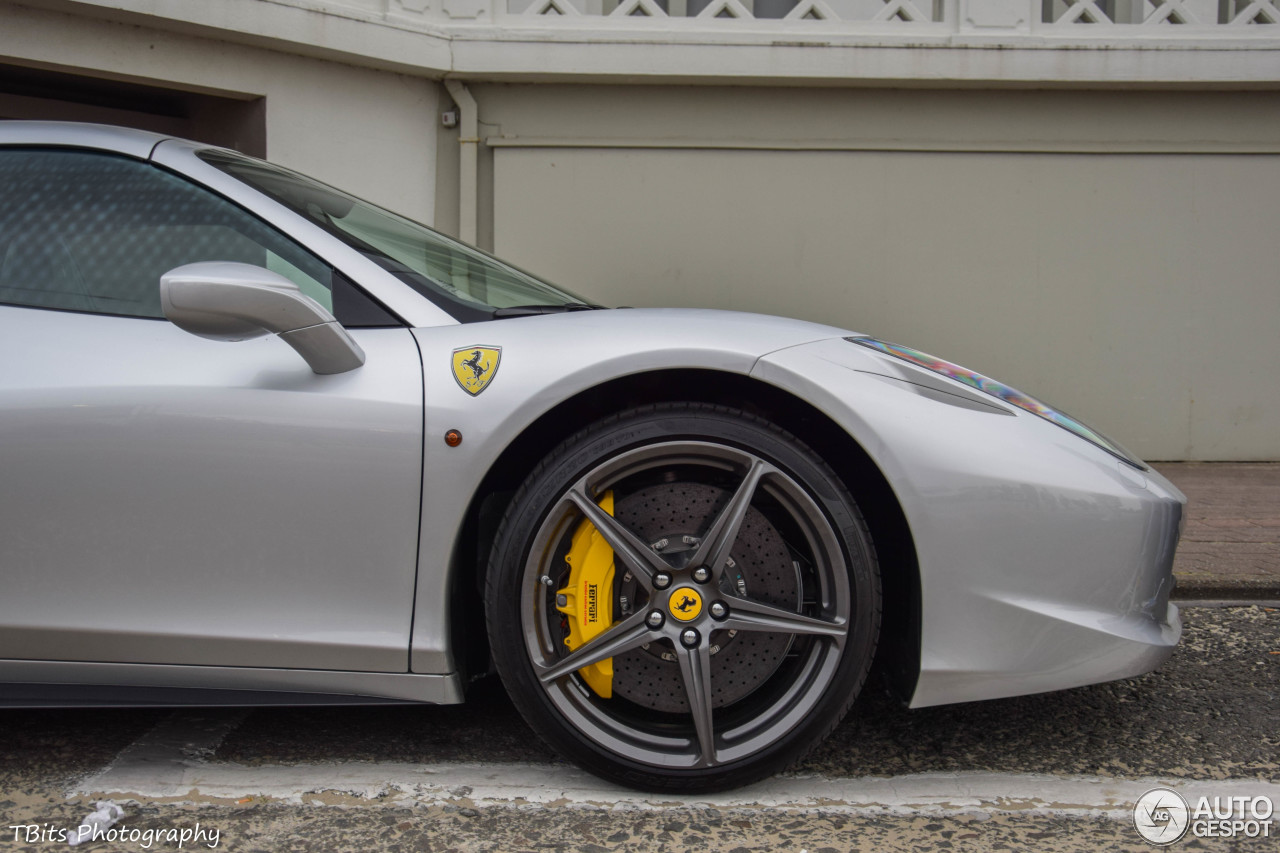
x,y
466,282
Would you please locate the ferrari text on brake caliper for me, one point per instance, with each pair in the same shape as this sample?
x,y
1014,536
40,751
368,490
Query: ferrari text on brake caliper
x,y
587,600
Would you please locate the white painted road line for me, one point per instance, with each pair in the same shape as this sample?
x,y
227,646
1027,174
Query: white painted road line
x,y
135,776
164,756
171,763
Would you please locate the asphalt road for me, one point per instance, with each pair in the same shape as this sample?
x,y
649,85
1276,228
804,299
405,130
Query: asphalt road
x,y
1056,771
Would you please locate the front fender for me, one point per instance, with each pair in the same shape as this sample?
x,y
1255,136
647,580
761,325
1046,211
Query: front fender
x,y
546,360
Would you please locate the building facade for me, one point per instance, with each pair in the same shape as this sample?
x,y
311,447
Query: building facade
x,y
1078,197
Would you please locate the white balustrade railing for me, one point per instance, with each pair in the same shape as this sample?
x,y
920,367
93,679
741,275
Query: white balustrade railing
x,y
869,11
1193,17
1210,43
1196,13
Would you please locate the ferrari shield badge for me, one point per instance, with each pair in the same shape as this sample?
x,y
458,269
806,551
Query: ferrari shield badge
x,y
474,367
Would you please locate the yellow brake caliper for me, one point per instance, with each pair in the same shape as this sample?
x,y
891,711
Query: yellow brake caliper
x,y
588,599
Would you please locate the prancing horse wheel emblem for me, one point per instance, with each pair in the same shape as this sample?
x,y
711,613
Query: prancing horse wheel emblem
x,y
685,604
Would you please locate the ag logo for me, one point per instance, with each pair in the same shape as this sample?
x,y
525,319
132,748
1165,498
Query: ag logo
x,y
685,604
1161,816
474,367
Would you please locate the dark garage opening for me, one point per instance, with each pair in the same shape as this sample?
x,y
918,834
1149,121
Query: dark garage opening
x,y
231,121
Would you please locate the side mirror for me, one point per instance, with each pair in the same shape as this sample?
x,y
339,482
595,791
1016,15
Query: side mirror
x,y
225,301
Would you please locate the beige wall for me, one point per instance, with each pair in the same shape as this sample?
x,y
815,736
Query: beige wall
x,y
369,131
1138,290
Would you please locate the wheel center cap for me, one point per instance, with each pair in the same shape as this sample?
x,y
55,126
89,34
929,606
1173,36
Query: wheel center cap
x,y
685,604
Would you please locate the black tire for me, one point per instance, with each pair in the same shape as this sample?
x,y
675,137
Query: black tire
x,y
756,537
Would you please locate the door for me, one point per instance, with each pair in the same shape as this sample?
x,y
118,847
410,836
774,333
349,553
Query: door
x,y
168,499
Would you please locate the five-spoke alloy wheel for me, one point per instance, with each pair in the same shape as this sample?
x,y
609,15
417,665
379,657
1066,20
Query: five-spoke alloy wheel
x,y
683,597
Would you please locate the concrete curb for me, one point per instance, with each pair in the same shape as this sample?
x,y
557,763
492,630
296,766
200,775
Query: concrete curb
x,y
1230,548
1216,590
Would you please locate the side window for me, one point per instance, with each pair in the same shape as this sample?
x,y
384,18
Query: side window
x,y
89,231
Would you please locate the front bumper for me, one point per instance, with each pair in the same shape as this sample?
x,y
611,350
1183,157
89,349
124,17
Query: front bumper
x,y
1045,563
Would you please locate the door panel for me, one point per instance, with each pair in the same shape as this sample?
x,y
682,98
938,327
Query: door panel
x,y
167,499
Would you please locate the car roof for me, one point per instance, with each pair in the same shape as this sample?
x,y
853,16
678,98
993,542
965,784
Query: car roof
x,y
70,134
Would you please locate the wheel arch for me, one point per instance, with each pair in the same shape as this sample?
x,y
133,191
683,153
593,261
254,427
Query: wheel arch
x,y
898,656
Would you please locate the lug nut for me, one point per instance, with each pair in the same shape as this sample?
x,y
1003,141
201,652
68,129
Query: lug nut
x,y
662,580
689,637
655,619
702,574
718,610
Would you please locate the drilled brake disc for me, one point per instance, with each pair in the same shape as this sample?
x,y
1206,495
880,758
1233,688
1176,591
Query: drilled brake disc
x,y
763,569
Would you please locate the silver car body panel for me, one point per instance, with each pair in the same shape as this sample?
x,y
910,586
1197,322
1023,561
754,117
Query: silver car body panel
x,y
173,500
546,360
1044,562
57,134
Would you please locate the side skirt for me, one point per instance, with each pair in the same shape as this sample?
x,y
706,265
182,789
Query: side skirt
x,y
52,684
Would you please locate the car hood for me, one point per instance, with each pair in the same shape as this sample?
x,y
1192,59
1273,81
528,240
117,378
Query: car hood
x,y
730,332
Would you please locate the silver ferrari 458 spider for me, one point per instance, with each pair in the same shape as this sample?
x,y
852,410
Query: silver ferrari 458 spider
x,y
681,537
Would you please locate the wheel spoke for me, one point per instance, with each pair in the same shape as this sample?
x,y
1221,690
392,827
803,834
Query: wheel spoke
x,y
638,556
748,615
723,533
695,670
624,636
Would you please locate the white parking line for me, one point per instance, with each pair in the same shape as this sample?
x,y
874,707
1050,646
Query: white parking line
x,y
146,772
162,758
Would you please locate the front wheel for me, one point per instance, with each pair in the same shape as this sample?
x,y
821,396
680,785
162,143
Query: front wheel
x,y
684,598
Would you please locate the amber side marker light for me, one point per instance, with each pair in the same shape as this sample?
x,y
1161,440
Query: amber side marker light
x,y
453,438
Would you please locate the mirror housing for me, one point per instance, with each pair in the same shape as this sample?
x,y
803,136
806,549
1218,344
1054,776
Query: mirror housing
x,y
227,301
